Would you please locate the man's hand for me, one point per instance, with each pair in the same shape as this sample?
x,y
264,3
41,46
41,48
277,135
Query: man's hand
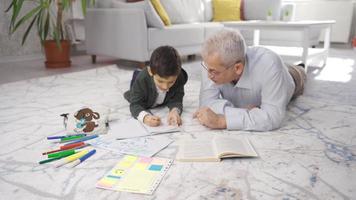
x,y
174,118
208,118
151,120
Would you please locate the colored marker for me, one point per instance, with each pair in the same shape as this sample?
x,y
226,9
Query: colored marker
x,y
84,139
81,159
70,138
67,146
64,136
62,154
48,160
71,145
71,158
55,137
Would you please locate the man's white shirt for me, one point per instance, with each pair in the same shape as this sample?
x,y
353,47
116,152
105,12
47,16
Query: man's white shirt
x,y
265,82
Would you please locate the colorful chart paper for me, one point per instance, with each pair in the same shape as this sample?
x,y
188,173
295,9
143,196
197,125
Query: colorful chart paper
x,y
135,174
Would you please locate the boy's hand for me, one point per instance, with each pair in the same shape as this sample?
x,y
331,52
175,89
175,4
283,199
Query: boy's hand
x,y
174,118
152,120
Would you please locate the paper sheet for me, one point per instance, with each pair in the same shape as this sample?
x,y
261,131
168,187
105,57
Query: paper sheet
x,y
135,174
142,146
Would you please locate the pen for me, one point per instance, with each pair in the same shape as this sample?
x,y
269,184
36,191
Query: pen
x,y
71,158
81,159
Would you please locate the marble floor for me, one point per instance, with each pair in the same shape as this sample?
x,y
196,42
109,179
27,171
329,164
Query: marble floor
x,y
312,156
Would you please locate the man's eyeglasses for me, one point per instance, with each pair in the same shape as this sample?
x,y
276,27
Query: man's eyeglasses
x,y
214,72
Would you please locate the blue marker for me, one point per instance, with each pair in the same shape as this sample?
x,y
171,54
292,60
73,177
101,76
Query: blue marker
x,y
84,139
55,137
81,159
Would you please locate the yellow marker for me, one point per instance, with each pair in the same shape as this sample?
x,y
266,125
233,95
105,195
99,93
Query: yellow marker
x,y
71,158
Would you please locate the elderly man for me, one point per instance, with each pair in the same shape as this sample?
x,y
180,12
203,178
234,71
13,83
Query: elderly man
x,y
244,88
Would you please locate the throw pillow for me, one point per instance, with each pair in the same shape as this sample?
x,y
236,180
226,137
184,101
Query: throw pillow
x,y
161,12
152,18
184,11
226,10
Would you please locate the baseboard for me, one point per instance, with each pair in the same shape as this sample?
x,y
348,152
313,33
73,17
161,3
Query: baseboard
x,y
7,59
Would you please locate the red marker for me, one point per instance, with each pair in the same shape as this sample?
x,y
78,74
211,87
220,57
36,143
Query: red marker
x,y
66,147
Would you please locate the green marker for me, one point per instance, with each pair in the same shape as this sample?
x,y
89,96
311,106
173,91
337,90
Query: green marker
x,y
69,138
48,160
62,154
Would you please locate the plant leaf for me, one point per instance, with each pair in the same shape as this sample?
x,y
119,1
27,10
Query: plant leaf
x,y
29,29
26,17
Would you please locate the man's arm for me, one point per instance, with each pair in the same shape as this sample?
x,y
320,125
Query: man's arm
x,y
210,95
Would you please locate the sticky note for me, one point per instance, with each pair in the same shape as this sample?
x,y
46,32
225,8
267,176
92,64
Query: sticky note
x,y
145,160
141,166
155,167
129,158
107,182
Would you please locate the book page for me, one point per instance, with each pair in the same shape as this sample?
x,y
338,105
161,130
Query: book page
x,y
197,150
230,146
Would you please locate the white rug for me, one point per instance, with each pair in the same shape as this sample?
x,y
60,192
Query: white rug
x,y
313,156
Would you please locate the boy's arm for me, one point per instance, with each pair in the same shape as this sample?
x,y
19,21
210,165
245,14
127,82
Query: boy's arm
x,y
137,100
177,100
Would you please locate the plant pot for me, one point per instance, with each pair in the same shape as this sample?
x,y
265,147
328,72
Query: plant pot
x,y
57,57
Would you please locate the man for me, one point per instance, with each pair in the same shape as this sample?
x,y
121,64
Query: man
x,y
244,88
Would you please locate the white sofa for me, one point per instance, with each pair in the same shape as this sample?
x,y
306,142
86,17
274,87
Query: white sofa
x,y
124,32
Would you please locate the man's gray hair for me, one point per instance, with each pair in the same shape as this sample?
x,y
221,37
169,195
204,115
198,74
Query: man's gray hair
x,y
228,44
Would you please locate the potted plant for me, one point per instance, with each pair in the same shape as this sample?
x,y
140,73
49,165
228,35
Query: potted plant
x,y
47,18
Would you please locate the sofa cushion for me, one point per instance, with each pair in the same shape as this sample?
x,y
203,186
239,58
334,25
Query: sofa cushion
x,y
208,10
152,18
184,11
176,35
258,9
226,10
161,12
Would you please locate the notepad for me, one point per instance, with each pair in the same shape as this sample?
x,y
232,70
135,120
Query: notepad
x,y
136,174
132,128
214,149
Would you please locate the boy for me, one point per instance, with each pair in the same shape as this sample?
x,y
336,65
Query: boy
x,y
161,83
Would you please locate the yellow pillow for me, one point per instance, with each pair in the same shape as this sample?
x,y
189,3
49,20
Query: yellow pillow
x,y
161,12
227,10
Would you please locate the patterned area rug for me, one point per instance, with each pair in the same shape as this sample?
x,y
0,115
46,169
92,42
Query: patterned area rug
x,y
313,155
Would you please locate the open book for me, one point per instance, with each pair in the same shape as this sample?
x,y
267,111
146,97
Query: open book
x,y
214,149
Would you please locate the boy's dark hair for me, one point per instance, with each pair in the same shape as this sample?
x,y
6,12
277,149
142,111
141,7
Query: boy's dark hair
x,y
165,61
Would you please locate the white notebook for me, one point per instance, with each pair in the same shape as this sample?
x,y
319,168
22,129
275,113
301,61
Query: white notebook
x,y
132,128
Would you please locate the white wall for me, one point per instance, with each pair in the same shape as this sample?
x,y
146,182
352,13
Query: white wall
x,y
339,10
